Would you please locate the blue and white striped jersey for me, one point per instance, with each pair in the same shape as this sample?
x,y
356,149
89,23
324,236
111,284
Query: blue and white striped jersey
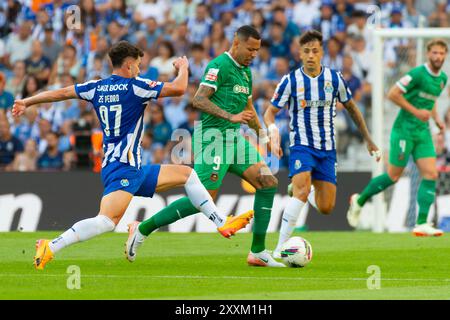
x,y
312,106
119,103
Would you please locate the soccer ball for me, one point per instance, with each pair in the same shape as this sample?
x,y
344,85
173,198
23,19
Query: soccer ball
x,y
296,252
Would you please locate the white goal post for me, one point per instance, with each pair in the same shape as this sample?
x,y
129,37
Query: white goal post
x,y
378,97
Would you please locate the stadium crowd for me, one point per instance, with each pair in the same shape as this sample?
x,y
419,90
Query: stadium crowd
x,y
40,50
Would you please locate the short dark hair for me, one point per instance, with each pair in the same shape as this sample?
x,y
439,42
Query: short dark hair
x,y
246,32
122,50
437,42
198,47
310,36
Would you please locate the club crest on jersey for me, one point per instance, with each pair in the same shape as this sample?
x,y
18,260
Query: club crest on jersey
x,y
211,75
298,164
328,87
124,182
214,177
152,84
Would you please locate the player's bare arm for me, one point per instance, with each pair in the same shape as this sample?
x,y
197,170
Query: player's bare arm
x,y
43,97
179,85
202,102
358,119
439,123
395,94
274,134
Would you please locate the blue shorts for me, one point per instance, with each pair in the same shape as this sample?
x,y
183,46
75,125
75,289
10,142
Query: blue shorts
x,y
322,164
139,182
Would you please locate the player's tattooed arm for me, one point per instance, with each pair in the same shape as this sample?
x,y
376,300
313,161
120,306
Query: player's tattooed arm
x,y
253,123
203,103
358,119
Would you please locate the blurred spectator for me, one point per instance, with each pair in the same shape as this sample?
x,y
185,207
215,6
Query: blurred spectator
x,y
67,62
344,9
290,29
329,23
148,71
182,10
6,97
159,126
18,46
199,25
305,12
433,10
279,46
44,128
259,22
150,8
37,64
359,27
174,111
16,82
9,144
197,62
180,40
217,43
96,63
244,13
116,32
11,10
192,116
333,56
119,11
164,61
50,48
42,18
31,87
146,152
52,158
362,58
89,16
26,160
263,64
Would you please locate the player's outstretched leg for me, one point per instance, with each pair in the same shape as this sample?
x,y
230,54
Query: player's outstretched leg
x,y
375,186
114,204
198,199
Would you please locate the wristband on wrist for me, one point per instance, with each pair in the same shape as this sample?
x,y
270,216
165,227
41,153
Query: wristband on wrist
x,y
272,127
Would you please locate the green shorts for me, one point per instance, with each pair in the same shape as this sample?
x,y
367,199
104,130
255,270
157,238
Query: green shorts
x,y
212,160
403,144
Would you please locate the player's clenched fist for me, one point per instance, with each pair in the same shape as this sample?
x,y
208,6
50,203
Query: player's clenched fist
x,y
181,62
18,108
243,117
423,115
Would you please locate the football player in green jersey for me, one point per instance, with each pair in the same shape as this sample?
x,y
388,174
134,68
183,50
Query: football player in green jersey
x,y
225,99
415,94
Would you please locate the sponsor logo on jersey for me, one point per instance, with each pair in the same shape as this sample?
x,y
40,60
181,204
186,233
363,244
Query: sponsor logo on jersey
x,y
405,80
240,89
211,75
427,96
275,96
152,84
314,103
328,87
113,87
124,182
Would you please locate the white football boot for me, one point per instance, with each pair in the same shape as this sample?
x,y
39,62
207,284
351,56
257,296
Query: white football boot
x,y
135,240
427,230
354,211
263,259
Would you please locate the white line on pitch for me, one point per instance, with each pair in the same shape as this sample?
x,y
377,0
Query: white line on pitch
x,y
213,277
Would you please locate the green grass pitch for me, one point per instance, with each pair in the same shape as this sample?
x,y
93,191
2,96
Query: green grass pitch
x,y
207,266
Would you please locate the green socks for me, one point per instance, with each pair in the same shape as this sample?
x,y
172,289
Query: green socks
x,y
425,198
376,185
263,208
175,211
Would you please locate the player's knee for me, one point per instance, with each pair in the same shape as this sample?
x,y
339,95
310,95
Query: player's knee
x,y
326,208
302,192
394,177
187,172
432,175
267,181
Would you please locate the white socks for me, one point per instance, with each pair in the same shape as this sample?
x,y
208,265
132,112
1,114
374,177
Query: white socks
x,y
81,231
290,216
312,198
202,200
